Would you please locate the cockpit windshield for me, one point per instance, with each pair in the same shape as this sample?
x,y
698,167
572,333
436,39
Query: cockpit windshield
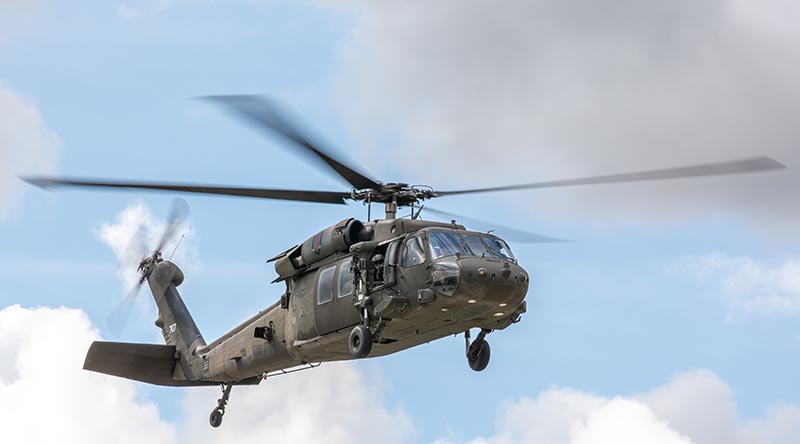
x,y
445,243
498,247
448,243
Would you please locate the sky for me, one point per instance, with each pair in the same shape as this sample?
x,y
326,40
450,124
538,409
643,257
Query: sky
x,y
670,317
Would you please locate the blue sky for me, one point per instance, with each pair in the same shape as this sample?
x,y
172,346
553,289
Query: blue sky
x,y
661,280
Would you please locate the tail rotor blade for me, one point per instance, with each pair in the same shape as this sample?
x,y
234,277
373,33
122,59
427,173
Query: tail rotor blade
x,y
122,312
135,250
177,217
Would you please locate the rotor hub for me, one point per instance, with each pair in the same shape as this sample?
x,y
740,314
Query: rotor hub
x,y
400,194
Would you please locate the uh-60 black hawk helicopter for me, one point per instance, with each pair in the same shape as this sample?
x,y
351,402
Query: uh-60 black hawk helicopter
x,y
353,290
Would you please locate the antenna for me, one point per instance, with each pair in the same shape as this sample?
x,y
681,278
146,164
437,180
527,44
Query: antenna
x,y
419,210
176,247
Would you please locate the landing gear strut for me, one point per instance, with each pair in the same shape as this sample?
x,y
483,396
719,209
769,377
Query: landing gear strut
x,y
215,419
478,352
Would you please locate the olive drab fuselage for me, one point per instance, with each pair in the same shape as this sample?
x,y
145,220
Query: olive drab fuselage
x,y
412,294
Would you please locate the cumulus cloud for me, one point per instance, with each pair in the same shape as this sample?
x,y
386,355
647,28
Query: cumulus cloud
x,y
135,233
336,403
51,399
750,286
694,407
485,93
47,397
27,145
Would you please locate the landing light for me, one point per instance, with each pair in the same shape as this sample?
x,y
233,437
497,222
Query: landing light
x,y
445,309
498,314
471,301
502,305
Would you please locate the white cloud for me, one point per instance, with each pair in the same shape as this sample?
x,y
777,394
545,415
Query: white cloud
x,y
694,407
751,287
47,397
52,400
27,146
334,404
489,93
134,235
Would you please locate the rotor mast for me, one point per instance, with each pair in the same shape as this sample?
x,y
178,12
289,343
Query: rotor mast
x,y
391,209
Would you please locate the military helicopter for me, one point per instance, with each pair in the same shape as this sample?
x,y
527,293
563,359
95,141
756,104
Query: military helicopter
x,y
355,289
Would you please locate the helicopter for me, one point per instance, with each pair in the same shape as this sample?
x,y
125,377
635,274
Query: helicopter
x,y
355,289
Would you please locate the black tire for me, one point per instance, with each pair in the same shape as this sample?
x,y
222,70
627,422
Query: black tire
x,y
215,419
360,341
479,358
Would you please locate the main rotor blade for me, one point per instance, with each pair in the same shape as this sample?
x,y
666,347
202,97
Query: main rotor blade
x,y
261,193
264,114
508,233
750,165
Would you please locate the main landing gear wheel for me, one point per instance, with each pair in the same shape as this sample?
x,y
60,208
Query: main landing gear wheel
x,y
215,418
360,341
479,357
478,352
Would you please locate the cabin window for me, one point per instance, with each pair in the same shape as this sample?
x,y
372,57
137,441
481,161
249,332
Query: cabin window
x,y
413,253
325,285
346,279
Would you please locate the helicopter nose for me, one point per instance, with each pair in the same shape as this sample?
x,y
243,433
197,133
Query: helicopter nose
x,y
483,270
492,281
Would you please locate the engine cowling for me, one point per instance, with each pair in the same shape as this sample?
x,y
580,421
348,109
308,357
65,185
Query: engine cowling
x,y
333,239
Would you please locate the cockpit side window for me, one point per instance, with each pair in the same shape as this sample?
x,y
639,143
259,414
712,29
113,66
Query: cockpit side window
x,y
499,248
413,253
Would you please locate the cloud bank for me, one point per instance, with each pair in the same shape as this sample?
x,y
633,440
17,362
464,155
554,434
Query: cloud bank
x,y
47,397
27,146
482,93
53,400
694,407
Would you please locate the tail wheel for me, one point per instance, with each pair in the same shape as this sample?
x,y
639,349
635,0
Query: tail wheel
x,y
360,341
215,419
479,355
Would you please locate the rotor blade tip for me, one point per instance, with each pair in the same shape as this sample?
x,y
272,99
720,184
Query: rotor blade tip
x,y
40,182
770,163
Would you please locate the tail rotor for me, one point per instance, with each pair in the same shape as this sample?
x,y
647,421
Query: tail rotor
x,y
178,214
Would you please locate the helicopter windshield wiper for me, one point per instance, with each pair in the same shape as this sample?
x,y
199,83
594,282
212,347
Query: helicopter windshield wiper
x,y
265,115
